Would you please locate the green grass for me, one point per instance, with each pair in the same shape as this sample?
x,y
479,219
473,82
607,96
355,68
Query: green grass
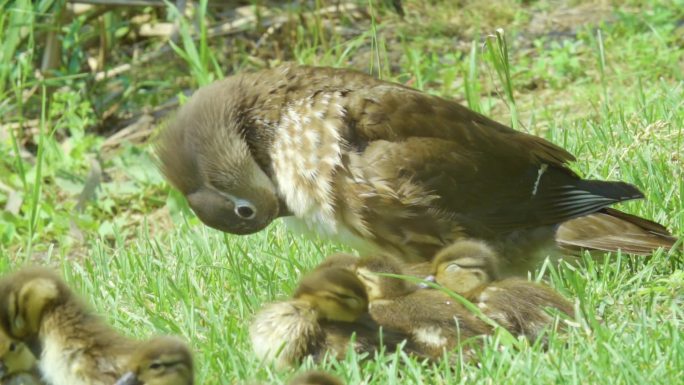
x,y
613,98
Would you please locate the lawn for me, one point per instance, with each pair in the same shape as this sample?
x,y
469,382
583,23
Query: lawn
x,y
83,90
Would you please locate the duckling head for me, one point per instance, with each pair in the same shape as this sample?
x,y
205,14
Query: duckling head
x,y
465,265
343,260
160,361
25,297
15,357
335,293
379,286
315,377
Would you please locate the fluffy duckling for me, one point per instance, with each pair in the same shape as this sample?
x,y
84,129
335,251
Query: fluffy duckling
x,y
73,345
343,260
519,305
465,265
315,377
422,270
17,364
159,361
283,333
523,307
434,320
334,293
328,308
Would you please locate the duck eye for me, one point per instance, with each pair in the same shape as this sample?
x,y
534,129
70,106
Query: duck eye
x,y
245,211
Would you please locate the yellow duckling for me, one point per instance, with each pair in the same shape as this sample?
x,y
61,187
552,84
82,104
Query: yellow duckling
x,y
73,345
159,361
17,364
435,321
519,305
343,260
422,270
464,266
328,307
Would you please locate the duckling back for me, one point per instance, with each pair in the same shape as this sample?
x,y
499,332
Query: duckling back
x,y
523,307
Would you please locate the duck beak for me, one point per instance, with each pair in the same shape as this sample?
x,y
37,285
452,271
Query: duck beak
x,y
283,211
127,379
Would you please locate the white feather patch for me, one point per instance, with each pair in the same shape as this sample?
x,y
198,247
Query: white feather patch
x,y
431,336
306,152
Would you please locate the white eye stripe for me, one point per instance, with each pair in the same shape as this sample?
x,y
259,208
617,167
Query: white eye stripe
x,y
230,197
243,203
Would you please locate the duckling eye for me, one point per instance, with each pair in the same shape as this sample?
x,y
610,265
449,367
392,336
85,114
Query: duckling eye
x,y
12,347
452,268
345,297
156,365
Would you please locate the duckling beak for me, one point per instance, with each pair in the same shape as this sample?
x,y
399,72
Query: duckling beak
x,y
34,346
3,370
127,379
424,285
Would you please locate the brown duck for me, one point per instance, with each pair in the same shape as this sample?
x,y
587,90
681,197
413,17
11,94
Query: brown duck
x,y
381,166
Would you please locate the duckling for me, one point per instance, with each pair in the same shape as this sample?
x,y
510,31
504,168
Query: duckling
x,y
159,361
315,377
328,308
335,293
17,364
469,268
343,260
521,306
283,333
434,320
465,265
422,270
73,345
